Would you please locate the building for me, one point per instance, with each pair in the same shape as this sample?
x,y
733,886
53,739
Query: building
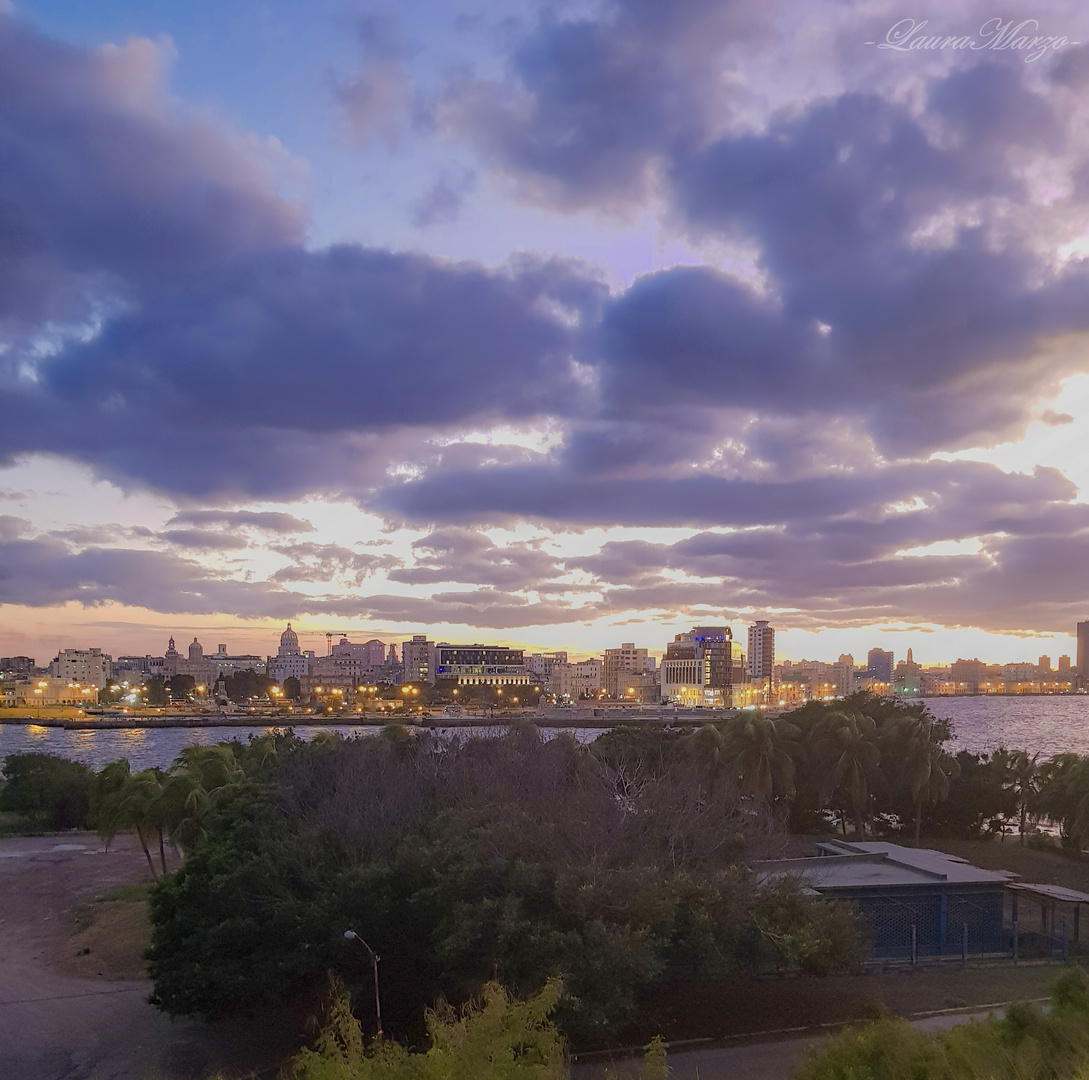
x,y
481,665
539,665
843,675
908,677
34,691
134,669
642,687
622,662
371,652
879,666
290,662
701,668
760,658
17,665
585,679
968,676
419,660
83,666
915,900
231,665
1083,652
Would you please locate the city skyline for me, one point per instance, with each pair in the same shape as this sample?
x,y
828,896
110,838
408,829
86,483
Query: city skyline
x,y
554,327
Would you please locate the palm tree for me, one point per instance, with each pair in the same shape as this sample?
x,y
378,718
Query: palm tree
x,y
142,810
1025,781
107,814
764,753
925,768
845,747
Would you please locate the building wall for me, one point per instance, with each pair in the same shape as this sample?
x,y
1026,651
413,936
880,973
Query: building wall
x,y
761,652
84,666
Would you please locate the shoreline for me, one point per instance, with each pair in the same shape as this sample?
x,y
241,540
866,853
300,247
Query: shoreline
x,y
112,723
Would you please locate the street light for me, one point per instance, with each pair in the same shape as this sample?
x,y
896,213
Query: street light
x,y
351,935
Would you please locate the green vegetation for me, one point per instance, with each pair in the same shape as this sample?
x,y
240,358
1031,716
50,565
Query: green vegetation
x,y
1025,1045
51,793
616,867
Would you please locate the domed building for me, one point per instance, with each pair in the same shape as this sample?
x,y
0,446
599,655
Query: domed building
x,y
289,661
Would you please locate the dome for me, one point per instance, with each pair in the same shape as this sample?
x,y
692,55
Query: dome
x,y
289,642
196,650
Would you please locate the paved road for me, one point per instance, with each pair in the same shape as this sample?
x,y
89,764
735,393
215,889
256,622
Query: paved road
x,y
751,1061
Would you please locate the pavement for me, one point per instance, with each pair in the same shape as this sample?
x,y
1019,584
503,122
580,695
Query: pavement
x,y
773,1059
56,1025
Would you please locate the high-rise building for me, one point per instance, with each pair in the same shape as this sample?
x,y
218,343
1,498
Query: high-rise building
x,y
619,663
761,655
418,660
879,666
702,667
1083,651
539,665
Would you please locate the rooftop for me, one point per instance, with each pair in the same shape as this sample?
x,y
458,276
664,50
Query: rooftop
x,y
877,864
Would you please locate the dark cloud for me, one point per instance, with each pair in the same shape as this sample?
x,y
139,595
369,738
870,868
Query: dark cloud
x,y
590,103
261,375
45,571
468,556
103,179
263,520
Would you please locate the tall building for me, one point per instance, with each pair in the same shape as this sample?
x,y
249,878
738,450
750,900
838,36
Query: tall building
x,y
619,663
908,677
761,654
879,666
1083,651
418,660
89,667
702,667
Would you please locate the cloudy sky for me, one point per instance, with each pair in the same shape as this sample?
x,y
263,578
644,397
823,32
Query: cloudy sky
x,y
557,324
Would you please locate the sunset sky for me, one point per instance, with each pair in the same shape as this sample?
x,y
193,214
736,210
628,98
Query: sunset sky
x,y
553,324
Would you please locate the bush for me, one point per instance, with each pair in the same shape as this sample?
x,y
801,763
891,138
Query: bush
x,y
1025,1045
52,791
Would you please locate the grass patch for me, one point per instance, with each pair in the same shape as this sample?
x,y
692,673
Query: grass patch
x,y
1037,865
12,824
128,894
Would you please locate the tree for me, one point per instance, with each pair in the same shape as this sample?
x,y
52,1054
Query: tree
x,y
181,687
924,768
292,688
53,791
244,685
1025,784
107,814
845,750
155,692
763,753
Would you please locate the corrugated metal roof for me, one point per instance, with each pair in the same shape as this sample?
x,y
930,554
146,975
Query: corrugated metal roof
x,y
877,864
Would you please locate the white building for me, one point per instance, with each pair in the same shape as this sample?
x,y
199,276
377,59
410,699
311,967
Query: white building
x,y
84,666
760,657
289,662
539,665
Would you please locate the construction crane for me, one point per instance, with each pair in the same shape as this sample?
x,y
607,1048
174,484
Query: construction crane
x,y
330,634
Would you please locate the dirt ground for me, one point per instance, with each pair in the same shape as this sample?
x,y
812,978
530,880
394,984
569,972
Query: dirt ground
x,y
73,997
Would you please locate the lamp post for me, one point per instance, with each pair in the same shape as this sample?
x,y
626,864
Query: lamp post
x,y
351,935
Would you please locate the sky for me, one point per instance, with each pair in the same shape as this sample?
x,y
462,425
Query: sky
x,y
555,324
